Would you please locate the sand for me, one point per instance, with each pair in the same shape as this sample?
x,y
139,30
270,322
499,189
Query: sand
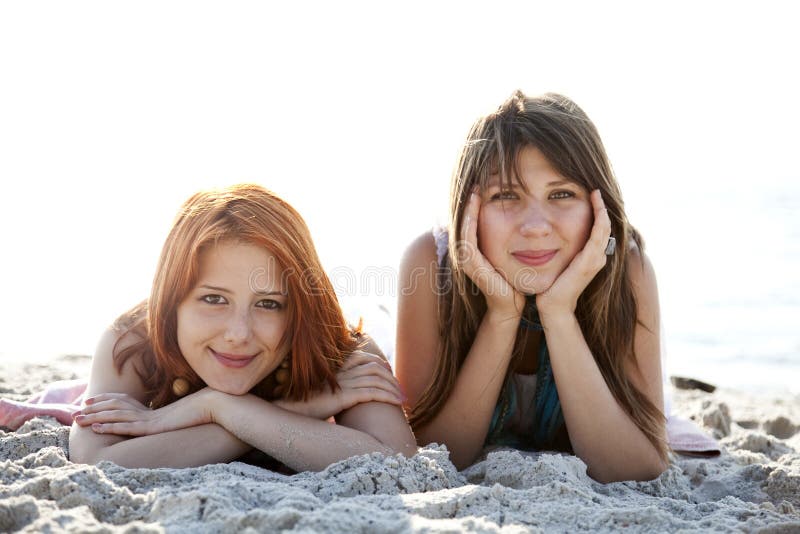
x,y
753,486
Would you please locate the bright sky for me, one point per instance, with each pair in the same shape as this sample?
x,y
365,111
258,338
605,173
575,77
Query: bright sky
x,y
111,114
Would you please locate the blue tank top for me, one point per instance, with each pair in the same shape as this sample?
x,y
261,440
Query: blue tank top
x,y
547,428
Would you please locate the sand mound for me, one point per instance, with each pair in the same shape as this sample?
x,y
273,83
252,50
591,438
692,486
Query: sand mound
x,y
753,486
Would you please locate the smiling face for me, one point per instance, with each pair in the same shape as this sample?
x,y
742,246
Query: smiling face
x,y
531,236
231,323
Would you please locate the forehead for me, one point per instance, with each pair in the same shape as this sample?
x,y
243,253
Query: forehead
x,y
530,167
235,263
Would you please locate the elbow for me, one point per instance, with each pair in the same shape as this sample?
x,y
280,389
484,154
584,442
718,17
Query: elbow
x,y
644,473
656,470
406,448
79,456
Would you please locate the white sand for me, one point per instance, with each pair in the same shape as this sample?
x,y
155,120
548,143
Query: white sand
x,y
753,486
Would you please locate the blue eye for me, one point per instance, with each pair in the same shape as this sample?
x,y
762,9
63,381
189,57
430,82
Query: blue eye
x,y
269,304
213,299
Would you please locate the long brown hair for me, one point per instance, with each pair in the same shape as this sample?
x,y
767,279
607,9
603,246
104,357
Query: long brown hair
x,y
317,335
606,310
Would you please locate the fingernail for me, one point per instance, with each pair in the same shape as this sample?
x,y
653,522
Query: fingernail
x,y
76,412
97,427
79,418
88,401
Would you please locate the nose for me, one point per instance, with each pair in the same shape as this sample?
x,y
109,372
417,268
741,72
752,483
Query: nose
x,y
535,221
237,329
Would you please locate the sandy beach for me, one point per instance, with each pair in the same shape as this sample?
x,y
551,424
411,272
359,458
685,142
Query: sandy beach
x,y
754,486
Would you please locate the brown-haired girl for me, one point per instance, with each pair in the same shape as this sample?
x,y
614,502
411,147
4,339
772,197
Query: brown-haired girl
x,y
533,320
241,345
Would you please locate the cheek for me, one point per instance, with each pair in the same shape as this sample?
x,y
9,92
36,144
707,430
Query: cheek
x,y
583,227
270,332
193,327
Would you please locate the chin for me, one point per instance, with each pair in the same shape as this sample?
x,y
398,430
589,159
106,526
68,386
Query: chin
x,y
535,289
234,389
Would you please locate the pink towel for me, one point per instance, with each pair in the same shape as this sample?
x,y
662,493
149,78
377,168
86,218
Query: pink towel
x,y
687,438
59,400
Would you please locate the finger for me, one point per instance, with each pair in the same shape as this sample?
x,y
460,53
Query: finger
x,y
106,416
468,243
359,357
106,396
601,229
369,368
109,404
372,382
352,397
121,429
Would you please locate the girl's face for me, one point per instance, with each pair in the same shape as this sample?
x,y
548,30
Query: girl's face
x,y
231,323
531,237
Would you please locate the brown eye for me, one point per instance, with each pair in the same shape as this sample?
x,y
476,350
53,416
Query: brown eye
x,y
269,304
507,194
213,299
557,195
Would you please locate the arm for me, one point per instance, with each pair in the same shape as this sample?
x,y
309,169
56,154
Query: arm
x,y
373,426
604,437
300,441
305,443
463,421
182,448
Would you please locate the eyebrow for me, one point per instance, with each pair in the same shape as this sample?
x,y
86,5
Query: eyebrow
x,y
223,290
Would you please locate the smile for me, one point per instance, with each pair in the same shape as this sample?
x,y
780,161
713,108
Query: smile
x,y
534,257
235,361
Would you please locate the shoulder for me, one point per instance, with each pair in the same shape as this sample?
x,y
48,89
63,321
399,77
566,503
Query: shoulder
x,y
106,376
421,251
641,273
419,266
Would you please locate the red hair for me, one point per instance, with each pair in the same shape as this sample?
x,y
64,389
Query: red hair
x,y
317,334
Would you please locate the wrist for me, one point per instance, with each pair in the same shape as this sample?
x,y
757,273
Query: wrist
x,y
289,405
557,320
208,401
503,318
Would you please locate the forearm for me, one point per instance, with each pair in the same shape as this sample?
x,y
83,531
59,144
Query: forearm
x,y
463,421
601,432
300,442
187,447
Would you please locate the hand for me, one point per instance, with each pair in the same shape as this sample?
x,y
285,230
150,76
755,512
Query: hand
x,y
500,295
364,377
562,296
121,414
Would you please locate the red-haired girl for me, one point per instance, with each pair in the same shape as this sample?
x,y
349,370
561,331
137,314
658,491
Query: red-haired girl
x,y
242,345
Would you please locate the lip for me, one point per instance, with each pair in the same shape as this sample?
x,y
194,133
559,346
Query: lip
x,y
534,257
235,361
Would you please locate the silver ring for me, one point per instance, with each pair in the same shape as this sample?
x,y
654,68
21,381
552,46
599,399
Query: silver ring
x,y
612,244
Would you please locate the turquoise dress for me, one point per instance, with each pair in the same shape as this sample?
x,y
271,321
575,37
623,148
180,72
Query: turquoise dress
x,y
547,431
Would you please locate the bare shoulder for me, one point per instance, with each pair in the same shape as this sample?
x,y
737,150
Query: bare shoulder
x,y
417,317
646,371
640,268
84,444
104,376
643,282
421,253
